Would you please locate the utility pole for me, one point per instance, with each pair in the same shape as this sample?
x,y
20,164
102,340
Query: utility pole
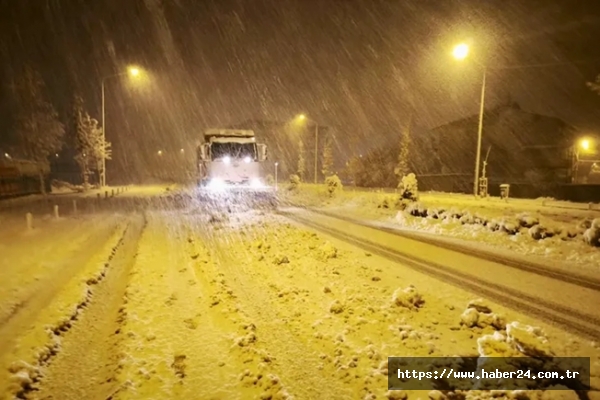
x,y
103,139
479,134
316,148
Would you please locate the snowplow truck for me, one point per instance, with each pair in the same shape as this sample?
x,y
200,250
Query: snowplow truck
x,y
230,168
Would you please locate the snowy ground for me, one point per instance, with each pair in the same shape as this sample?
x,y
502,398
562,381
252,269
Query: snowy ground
x,y
559,216
185,304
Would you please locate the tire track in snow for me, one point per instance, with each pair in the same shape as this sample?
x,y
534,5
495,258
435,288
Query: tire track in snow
x,y
180,341
519,264
289,347
86,365
39,346
32,263
41,293
569,319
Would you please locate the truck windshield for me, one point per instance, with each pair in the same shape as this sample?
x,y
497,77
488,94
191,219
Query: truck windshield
x,y
233,150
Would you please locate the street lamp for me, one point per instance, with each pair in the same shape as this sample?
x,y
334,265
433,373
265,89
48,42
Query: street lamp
x,y
302,117
131,71
460,52
584,144
160,153
276,164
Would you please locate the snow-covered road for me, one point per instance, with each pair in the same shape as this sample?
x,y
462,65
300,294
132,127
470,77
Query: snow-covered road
x,y
550,294
179,303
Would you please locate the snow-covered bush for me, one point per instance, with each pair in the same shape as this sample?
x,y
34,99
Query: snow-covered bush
x,y
592,235
408,190
334,184
416,209
294,182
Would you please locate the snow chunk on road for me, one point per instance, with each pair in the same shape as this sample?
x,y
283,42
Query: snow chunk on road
x,y
469,318
520,339
408,298
327,251
529,340
396,395
479,305
495,345
479,314
336,307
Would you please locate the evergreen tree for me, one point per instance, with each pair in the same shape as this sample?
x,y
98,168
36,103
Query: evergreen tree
x,y
402,168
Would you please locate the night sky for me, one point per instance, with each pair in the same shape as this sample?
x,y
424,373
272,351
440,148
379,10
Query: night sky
x,y
360,66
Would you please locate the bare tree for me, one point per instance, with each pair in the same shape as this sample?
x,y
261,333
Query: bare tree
x,y
89,142
327,157
301,160
402,168
89,147
38,127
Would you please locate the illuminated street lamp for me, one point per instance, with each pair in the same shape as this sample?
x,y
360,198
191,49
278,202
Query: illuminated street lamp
x,y
460,52
587,147
133,72
302,117
160,153
584,144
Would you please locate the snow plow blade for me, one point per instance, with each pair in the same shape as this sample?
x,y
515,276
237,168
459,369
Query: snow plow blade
x,y
239,199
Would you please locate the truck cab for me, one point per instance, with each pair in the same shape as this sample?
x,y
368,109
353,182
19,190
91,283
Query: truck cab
x,y
230,158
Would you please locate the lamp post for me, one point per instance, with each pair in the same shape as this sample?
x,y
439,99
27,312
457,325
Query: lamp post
x,y
132,71
460,52
302,117
276,164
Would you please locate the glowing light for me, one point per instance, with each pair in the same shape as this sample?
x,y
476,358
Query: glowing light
x,y
134,71
160,153
227,159
247,159
585,144
461,51
256,183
